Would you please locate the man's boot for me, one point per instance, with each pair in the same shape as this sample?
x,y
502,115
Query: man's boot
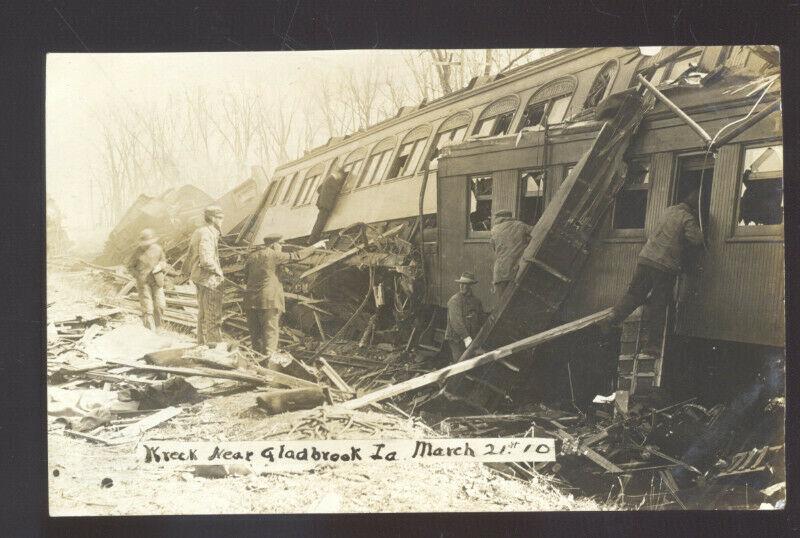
x,y
148,321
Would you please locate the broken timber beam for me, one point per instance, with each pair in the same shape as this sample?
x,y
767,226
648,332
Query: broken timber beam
x,y
480,360
676,109
271,376
347,254
130,432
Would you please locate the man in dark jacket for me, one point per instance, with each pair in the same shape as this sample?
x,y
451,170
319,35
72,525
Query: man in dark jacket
x,y
328,191
464,317
264,301
660,261
509,239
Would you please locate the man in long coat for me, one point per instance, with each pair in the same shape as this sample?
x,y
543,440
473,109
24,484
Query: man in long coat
x,y
509,239
147,264
328,191
203,266
264,300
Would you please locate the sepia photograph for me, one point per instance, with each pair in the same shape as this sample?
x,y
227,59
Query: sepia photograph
x,y
415,280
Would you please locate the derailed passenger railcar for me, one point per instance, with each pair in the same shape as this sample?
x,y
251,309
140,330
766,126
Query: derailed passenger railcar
x,y
508,143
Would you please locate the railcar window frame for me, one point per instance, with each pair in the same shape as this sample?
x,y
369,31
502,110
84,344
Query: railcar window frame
x,y
437,145
287,194
522,192
381,157
756,231
548,104
645,187
490,118
416,147
613,67
478,235
311,179
275,187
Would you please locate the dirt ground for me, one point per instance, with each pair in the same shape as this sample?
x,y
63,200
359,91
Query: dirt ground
x,y
79,468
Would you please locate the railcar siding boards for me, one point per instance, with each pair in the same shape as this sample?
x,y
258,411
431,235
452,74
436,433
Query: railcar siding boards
x,y
739,295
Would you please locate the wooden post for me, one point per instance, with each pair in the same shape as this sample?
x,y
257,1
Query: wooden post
x,y
480,360
680,113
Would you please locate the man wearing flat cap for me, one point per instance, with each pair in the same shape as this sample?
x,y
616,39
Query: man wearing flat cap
x,y
148,265
264,301
509,239
464,316
328,191
203,267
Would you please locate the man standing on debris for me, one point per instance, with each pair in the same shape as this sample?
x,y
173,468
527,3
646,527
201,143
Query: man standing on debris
x,y
328,191
660,261
264,300
464,316
203,266
148,265
510,236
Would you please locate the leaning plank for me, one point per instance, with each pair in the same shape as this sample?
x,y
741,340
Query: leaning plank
x,y
86,436
270,375
129,433
334,376
480,360
347,254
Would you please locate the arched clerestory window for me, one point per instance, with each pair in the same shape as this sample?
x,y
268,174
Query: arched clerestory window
x,y
496,118
549,104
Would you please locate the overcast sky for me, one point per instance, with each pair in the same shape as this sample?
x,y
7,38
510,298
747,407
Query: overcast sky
x,y
80,87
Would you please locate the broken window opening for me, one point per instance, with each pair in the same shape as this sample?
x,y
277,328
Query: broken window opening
x,y
406,162
312,189
378,163
691,170
307,189
630,204
274,189
493,126
479,221
683,65
554,110
532,196
655,77
761,187
351,171
453,136
601,85
289,187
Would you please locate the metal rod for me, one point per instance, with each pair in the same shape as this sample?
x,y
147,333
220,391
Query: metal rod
x,y
680,113
769,109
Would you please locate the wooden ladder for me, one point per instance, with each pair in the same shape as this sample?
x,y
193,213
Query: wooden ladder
x,y
635,371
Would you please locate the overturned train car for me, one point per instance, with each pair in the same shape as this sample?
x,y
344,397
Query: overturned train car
x,y
511,142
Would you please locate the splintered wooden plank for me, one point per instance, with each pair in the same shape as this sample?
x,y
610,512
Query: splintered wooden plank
x,y
270,376
480,360
347,254
129,433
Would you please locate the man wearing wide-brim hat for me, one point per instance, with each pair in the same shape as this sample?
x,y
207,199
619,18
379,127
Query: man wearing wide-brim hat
x,y
203,267
464,316
264,300
148,265
327,192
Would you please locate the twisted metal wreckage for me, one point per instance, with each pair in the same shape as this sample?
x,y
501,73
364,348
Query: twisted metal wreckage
x,y
360,328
